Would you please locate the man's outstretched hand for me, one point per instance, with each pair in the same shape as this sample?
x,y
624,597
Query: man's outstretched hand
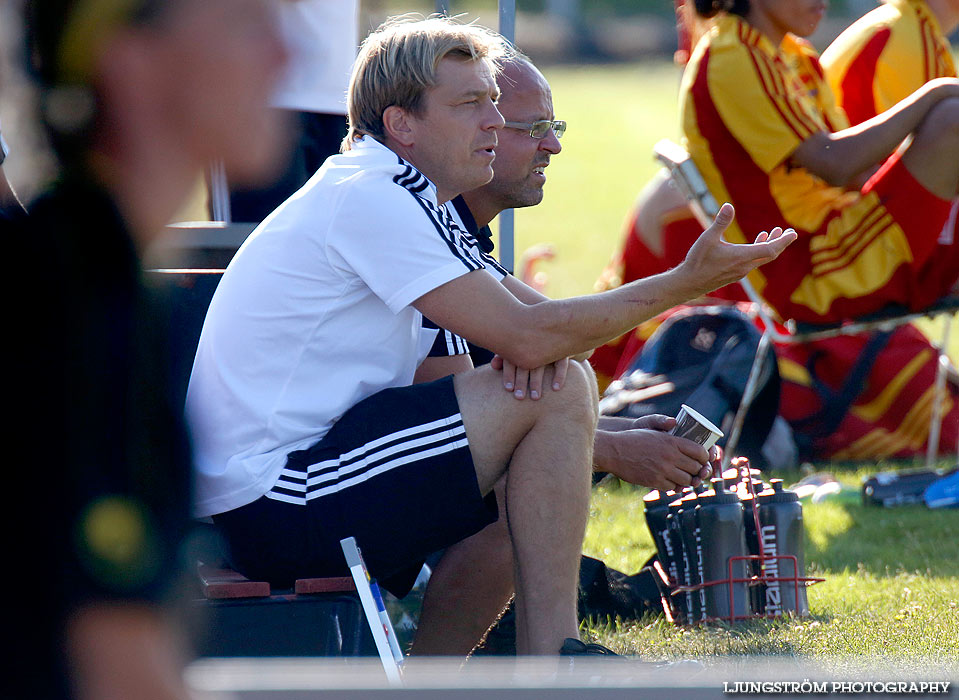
x,y
712,262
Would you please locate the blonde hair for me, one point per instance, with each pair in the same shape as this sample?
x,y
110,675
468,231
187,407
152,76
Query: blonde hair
x,y
397,64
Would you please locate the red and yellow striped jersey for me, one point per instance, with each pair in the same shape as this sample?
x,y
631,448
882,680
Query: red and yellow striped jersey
x,y
885,56
746,105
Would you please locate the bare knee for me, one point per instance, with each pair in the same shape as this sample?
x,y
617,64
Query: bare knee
x,y
580,393
941,124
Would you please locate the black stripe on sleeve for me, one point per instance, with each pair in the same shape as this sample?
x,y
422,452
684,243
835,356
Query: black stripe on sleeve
x,y
470,263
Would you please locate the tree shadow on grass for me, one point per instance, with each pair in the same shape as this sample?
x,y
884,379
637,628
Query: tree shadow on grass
x,y
884,541
842,534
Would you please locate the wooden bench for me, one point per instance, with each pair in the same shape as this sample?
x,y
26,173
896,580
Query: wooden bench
x,y
236,616
219,583
317,617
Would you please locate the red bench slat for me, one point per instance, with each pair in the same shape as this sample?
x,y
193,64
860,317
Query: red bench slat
x,y
221,584
333,584
225,584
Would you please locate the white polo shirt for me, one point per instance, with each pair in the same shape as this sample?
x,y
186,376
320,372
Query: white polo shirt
x,y
313,315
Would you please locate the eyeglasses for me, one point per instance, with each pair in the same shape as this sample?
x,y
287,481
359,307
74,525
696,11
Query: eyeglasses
x,y
539,130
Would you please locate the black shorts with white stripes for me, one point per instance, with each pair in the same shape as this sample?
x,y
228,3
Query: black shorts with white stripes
x,y
446,343
395,472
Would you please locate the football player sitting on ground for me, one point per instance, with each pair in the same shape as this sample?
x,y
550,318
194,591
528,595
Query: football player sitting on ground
x,y
878,61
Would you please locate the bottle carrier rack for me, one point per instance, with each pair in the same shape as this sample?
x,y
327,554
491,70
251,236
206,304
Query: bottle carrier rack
x,y
762,563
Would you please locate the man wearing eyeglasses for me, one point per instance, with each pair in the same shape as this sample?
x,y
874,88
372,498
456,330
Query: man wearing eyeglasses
x,y
530,137
639,451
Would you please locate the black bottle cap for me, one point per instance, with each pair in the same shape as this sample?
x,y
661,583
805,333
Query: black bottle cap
x,y
778,494
724,496
735,473
758,486
656,498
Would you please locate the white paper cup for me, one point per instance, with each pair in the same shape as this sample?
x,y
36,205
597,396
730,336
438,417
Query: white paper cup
x,y
692,425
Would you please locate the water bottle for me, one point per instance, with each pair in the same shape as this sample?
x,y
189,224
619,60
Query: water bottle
x,y
656,508
682,568
781,532
757,593
693,546
720,518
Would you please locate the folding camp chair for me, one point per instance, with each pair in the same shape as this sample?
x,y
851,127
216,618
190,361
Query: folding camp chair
x,y
690,182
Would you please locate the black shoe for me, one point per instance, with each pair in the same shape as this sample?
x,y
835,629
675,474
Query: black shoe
x,y
574,647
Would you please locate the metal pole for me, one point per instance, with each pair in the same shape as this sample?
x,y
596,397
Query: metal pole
x,y
939,389
507,19
507,253
749,393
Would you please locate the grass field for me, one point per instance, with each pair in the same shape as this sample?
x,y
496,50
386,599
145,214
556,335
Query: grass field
x,y
892,575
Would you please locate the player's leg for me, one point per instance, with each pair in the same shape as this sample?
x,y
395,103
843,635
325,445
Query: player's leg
x,y
469,588
933,155
545,449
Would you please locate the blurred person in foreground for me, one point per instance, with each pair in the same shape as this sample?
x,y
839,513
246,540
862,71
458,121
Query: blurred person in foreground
x,y
10,205
137,95
308,427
